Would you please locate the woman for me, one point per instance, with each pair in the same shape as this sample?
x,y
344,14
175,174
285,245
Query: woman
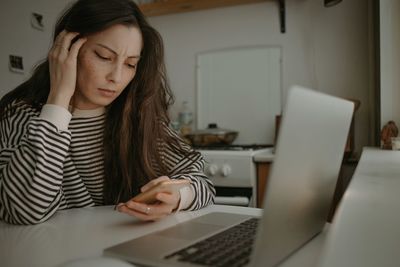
x,y
90,127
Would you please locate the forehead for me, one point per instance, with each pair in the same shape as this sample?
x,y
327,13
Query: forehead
x,y
125,40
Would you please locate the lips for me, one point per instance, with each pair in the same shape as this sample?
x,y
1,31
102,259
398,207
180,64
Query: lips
x,y
107,92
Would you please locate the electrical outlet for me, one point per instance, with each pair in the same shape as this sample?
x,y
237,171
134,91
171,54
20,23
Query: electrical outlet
x,y
16,64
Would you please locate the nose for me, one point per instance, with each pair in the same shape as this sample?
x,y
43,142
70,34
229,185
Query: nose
x,y
115,74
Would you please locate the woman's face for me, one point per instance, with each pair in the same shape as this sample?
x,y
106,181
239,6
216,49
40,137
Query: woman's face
x,y
106,64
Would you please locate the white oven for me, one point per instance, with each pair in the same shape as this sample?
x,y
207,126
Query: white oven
x,y
233,172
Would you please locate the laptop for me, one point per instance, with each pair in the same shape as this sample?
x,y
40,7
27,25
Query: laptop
x,y
309,153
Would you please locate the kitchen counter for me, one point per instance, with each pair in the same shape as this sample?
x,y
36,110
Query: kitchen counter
x,y
265,156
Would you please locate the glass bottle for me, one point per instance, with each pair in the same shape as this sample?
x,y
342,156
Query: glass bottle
x,y
185,118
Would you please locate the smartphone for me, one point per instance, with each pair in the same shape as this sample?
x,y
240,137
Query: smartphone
x,y
149,196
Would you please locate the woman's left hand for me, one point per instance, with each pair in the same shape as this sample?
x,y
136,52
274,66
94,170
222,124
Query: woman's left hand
x,y
168,202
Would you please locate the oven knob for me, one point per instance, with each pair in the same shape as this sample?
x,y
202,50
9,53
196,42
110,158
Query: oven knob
x,y
226,170
212,169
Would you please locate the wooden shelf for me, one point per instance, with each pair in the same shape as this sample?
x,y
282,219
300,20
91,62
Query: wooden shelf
x,y
164,7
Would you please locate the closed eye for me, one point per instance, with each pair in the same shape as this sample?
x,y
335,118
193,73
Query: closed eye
x,y
101,57
131,66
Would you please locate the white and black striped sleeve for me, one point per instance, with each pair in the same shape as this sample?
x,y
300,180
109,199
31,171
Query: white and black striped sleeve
x,y
189,167
32,154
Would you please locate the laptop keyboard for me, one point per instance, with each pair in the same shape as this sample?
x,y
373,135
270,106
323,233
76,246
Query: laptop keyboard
x,y
230,248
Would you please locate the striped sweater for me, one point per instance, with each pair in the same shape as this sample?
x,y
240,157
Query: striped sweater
x,y
48,164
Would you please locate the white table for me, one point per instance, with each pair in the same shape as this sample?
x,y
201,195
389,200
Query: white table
x,y
366,228
365,231
82,233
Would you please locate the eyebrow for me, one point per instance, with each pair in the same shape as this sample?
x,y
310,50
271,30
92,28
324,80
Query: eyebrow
x,y
106,47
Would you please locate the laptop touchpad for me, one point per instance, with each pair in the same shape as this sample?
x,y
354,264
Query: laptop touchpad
x,y
190,230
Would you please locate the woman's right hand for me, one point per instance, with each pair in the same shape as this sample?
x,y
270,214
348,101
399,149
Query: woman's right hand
x,y
63,67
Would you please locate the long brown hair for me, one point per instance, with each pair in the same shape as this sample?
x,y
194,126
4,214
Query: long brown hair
x,y
135,122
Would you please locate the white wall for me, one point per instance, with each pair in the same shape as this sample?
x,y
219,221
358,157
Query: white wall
x,y
19,38
323,48
390,60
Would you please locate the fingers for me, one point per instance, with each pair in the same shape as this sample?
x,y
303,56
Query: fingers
x,y
58,45
159,208
139,215
145,212
169,199
76,46
63,68
62,45
153,183
64,39
168,203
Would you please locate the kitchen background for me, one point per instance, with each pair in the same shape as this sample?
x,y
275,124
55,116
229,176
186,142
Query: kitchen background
x,y
328,49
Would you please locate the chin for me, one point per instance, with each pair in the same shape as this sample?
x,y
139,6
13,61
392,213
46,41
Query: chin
x,y
104,101
100,103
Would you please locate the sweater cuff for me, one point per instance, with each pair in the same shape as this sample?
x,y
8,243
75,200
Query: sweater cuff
x,y
57,115
187,197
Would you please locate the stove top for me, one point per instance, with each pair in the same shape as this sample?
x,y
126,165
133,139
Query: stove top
x,y
250,147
